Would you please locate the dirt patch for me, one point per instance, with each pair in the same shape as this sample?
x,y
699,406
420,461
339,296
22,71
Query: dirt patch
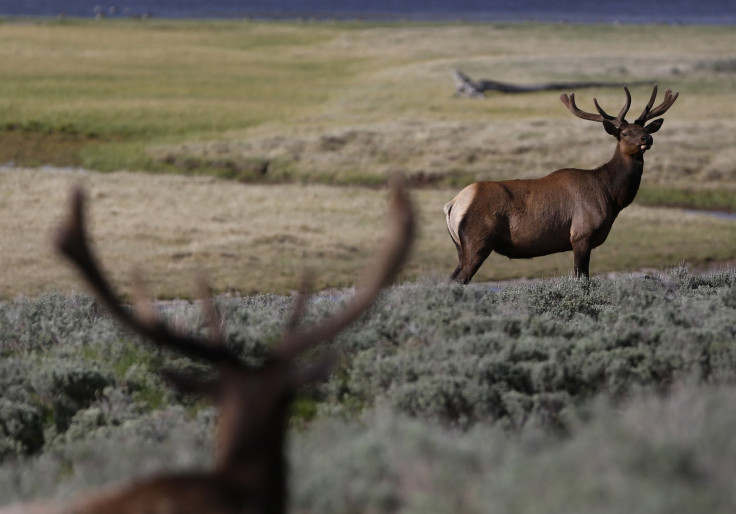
x,y
33,149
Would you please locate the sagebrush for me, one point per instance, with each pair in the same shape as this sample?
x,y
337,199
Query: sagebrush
x,y
599,396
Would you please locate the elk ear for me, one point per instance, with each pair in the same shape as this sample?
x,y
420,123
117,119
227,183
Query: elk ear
x,y
654,126
611,128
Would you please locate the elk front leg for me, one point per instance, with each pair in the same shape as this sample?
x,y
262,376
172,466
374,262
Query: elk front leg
x,y
581,254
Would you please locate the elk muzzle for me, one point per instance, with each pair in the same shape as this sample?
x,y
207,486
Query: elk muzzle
x,y
646,142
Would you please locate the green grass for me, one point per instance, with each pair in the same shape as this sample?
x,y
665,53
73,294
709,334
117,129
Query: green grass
x,y
343,103
715,199
158,81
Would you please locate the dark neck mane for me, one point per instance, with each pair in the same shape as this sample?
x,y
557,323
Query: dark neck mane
x,y
624,176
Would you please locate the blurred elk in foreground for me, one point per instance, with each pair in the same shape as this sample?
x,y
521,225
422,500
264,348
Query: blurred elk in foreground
x,y
250,474
569,209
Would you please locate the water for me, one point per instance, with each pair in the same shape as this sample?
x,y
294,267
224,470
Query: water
x,y
716,214
626,11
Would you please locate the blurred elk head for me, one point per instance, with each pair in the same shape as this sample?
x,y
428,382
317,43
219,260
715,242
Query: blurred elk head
x,y
253,402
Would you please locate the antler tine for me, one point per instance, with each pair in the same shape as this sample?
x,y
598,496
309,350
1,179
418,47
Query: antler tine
x,y
71,240
669,99
144,307
625,109
643,116
300,303
569,101
214,320
385,267
600,110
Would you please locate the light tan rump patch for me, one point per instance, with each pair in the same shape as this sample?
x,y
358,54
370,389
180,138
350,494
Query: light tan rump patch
x,y
455,210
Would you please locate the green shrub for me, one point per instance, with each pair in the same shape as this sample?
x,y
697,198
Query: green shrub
x,y
463,355
21,429
652,454
51,320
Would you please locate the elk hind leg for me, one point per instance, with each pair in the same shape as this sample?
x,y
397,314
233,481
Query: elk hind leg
x,y
471,257
459,266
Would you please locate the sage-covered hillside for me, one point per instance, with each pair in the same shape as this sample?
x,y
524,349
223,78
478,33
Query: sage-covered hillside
x,y
558,396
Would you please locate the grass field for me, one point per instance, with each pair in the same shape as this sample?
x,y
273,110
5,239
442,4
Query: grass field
x,y
344,103
260,238
299,107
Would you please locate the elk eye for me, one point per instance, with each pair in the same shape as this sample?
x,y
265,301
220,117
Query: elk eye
x,y
624,133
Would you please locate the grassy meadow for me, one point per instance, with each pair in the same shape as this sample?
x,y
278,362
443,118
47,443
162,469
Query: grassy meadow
x,y
299,107
261,238
345,103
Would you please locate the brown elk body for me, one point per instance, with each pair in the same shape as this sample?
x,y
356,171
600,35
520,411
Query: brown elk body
x,y
253,402
569,209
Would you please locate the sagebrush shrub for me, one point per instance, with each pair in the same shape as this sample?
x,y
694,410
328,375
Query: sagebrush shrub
x,y
442,362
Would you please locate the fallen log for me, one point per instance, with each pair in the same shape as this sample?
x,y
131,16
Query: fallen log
x,y
466,86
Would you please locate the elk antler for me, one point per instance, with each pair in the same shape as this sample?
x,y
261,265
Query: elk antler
x,y
648,113
72,241
569,101
382,271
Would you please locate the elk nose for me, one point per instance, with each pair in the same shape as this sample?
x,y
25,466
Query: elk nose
x,y
647,139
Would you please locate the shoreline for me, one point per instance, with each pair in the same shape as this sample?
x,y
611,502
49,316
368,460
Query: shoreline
x,y
450,18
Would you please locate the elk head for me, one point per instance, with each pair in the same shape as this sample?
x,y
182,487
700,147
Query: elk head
x,y
634,138
253,401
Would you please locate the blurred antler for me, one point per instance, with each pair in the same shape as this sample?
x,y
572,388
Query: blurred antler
x,y
387,264
72,241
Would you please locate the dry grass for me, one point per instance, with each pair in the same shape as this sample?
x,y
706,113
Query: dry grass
x,y
457,153
251,238
398,114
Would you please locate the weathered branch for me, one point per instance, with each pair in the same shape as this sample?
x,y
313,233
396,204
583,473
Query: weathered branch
x,y
466,86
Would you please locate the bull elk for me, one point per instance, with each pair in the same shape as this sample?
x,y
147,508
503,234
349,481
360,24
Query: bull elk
x,y
569,209
250,474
